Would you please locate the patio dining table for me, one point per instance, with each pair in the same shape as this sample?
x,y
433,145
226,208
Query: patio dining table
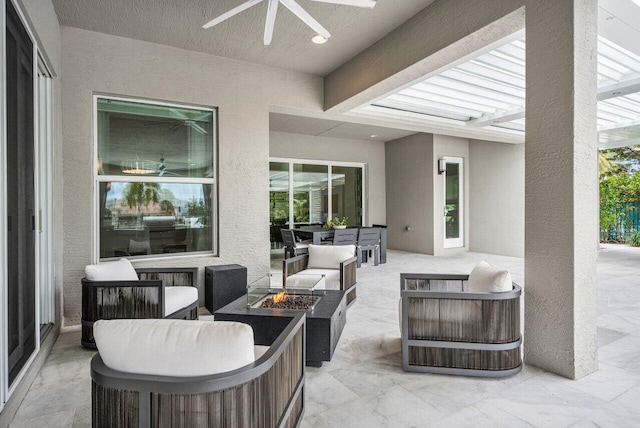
x,y
318,233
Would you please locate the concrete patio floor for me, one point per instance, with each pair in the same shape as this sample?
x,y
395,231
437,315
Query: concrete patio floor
x,y
364,385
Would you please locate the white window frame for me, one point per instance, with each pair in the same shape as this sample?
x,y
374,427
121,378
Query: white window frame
x,y
329,164
95,256
459,241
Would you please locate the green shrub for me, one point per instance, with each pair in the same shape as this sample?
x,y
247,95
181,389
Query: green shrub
x,y
634,239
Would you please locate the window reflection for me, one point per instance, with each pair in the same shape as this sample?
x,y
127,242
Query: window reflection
x,y
147,218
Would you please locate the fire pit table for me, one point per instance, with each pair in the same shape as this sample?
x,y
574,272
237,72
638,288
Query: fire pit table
x,y
266,305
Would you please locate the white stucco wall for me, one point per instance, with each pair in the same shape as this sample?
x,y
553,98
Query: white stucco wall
x,y
409,169
496,198
96,63
298,146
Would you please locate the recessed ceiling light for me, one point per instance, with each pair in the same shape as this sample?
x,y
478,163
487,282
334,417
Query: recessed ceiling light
x,y
318,39
374,135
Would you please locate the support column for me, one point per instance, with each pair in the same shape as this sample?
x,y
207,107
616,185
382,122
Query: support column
x,y
561,187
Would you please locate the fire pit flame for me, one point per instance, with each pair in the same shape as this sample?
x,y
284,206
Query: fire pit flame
x,y
280,297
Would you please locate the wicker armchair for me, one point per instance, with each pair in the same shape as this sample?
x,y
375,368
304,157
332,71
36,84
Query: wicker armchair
x,y
446,329
266,393
145,298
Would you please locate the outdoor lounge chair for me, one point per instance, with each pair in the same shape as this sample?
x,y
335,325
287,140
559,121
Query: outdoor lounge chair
x,y
336,263
114,290
448,329
217,378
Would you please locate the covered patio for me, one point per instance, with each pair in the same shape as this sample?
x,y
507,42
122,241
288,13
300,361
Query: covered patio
x,y
364,385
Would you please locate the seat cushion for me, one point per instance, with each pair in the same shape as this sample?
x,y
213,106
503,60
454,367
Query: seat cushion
x,y
485,278
329,256
259,351
176,298
120,270
174,347
331,278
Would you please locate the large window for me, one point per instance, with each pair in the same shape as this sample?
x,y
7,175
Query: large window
x,y
311,192
155,178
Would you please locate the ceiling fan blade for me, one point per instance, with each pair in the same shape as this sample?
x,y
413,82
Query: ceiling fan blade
x,y
232,12
272,9
198,128
178,115
356,3
305,17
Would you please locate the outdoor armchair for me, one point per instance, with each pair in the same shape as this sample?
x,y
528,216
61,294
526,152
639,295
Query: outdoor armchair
x,y
336,263
115,290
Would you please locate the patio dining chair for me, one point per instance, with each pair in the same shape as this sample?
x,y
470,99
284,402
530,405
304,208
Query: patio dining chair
x,y
345,237
291,246
368,240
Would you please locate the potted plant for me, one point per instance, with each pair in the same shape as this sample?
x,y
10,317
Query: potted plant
x,y
338,222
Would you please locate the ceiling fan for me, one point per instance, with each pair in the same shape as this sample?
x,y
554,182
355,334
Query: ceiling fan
x,y
294,7
181,120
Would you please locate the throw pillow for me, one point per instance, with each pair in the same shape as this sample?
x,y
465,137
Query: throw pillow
x,y
121,270
485,278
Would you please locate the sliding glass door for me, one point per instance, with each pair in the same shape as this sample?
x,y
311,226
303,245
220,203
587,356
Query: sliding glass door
x,y
305,192
20,195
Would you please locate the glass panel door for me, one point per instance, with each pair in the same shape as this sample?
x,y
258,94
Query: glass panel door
x,y
278,200
453,203
21,215
346,193
310,191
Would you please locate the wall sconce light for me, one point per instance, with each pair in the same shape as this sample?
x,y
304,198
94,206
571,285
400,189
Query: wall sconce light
x,y
442,166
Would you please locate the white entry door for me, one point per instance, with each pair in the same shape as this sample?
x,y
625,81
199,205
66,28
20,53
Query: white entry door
x,y
453,203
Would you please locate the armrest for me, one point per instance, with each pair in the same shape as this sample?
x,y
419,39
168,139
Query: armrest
x,y
171,276
348,273
294,265
122,299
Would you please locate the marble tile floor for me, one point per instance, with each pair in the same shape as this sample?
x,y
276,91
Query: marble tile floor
x,y
364,385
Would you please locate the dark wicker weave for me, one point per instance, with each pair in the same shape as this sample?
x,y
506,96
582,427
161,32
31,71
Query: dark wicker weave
x,y
267,393
106,300
298,264
446,329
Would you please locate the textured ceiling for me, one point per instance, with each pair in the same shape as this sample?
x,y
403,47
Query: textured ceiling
x,y
178,23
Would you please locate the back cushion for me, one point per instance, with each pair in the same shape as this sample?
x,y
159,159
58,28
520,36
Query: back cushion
x,y
329,256
174,347
121,270
485,278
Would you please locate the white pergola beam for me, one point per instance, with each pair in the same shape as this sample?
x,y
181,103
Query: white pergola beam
x,y
619,89
493,119
618,144
604,93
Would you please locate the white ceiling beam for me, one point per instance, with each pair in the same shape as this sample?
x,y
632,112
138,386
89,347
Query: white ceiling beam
x,y
618,144
619,126
619,89
604,93
492,119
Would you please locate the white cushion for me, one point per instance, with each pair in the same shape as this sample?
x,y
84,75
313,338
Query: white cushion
x,y
176,298
329,256
121,270
174,347
259,351
331,278
485,278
